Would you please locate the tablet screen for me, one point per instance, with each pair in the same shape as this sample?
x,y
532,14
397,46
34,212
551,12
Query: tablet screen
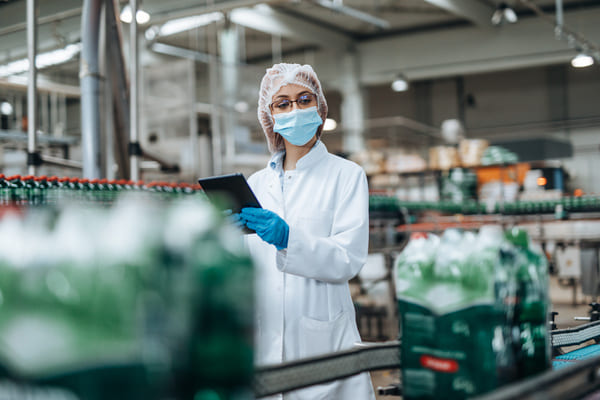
x,y
229,193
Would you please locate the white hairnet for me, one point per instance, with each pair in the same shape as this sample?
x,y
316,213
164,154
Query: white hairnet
x,y
275,78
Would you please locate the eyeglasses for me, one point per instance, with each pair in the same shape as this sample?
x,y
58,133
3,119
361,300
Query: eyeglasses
x,y
285,105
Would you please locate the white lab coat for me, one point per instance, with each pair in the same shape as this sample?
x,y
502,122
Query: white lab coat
x,y
303,304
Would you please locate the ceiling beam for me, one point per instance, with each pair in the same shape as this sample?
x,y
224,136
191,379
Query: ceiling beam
x,y
472,10
14,45
12,17
162,11
265,19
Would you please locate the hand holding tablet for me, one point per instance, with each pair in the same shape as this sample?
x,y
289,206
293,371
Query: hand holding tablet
x,y
229,193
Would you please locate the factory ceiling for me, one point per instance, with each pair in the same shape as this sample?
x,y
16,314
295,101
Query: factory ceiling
x,y
294,26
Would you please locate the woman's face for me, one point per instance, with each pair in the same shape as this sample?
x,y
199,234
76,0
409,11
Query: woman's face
x,y
290,98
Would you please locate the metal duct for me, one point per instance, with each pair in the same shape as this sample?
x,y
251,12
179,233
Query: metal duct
x,y
89,78
32,156
134,134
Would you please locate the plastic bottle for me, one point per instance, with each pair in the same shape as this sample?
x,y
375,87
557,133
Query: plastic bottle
x,y
4,191
17,193
40,190
531,309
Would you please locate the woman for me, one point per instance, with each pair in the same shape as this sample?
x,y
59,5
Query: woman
x,y
311,234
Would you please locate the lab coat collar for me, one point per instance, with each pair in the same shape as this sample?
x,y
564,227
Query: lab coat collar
x,y
313,157
318,151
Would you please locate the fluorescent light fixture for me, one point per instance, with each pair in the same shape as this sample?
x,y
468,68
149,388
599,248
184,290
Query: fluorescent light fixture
x,y
42,60
503,14
6,108
183,24
400,84
141,16
582,60
329,125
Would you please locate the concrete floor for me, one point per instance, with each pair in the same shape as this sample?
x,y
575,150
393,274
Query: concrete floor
x,y
562,302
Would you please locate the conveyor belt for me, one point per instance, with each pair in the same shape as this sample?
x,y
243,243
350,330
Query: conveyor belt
x,y
571,383
311,371
575,336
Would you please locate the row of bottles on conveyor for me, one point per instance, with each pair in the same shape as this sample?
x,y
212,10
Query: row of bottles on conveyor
x,y
384,205
473,312
41,190
146,299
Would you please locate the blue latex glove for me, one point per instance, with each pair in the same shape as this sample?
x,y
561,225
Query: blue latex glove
x,y
269,226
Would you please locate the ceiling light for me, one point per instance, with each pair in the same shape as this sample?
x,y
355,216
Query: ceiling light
x,y
400,84
43,60
582,60
6,108
452,131
141,16
503,14
329,125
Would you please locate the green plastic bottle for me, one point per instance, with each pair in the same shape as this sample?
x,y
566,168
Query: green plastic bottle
x,y
4,191
17,192
531,305
40,190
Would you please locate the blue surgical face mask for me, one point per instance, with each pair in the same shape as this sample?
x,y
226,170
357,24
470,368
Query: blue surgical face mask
x,y
298,126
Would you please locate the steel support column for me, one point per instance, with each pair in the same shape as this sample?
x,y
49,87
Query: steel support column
x,y
353,104
90,88
134,148
32,159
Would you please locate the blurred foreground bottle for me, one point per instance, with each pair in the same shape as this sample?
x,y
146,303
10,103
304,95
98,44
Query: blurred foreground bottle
x,y
139,301
531,311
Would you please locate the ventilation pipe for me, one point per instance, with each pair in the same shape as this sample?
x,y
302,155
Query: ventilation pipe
x,y
33,158
89,78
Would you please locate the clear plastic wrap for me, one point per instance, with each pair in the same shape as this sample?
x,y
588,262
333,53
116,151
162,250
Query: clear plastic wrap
x,y
472,312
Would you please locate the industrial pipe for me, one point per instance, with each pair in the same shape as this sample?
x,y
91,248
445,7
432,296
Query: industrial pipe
x,y
32,155
89,78
134,144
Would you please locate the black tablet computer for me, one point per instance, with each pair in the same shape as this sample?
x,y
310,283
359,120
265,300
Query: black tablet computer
x,y
229,192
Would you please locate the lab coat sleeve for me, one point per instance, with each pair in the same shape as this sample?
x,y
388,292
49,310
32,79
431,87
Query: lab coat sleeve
x,y
339,257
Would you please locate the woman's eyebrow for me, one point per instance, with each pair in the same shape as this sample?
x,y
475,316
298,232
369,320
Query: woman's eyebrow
x,y
287,96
